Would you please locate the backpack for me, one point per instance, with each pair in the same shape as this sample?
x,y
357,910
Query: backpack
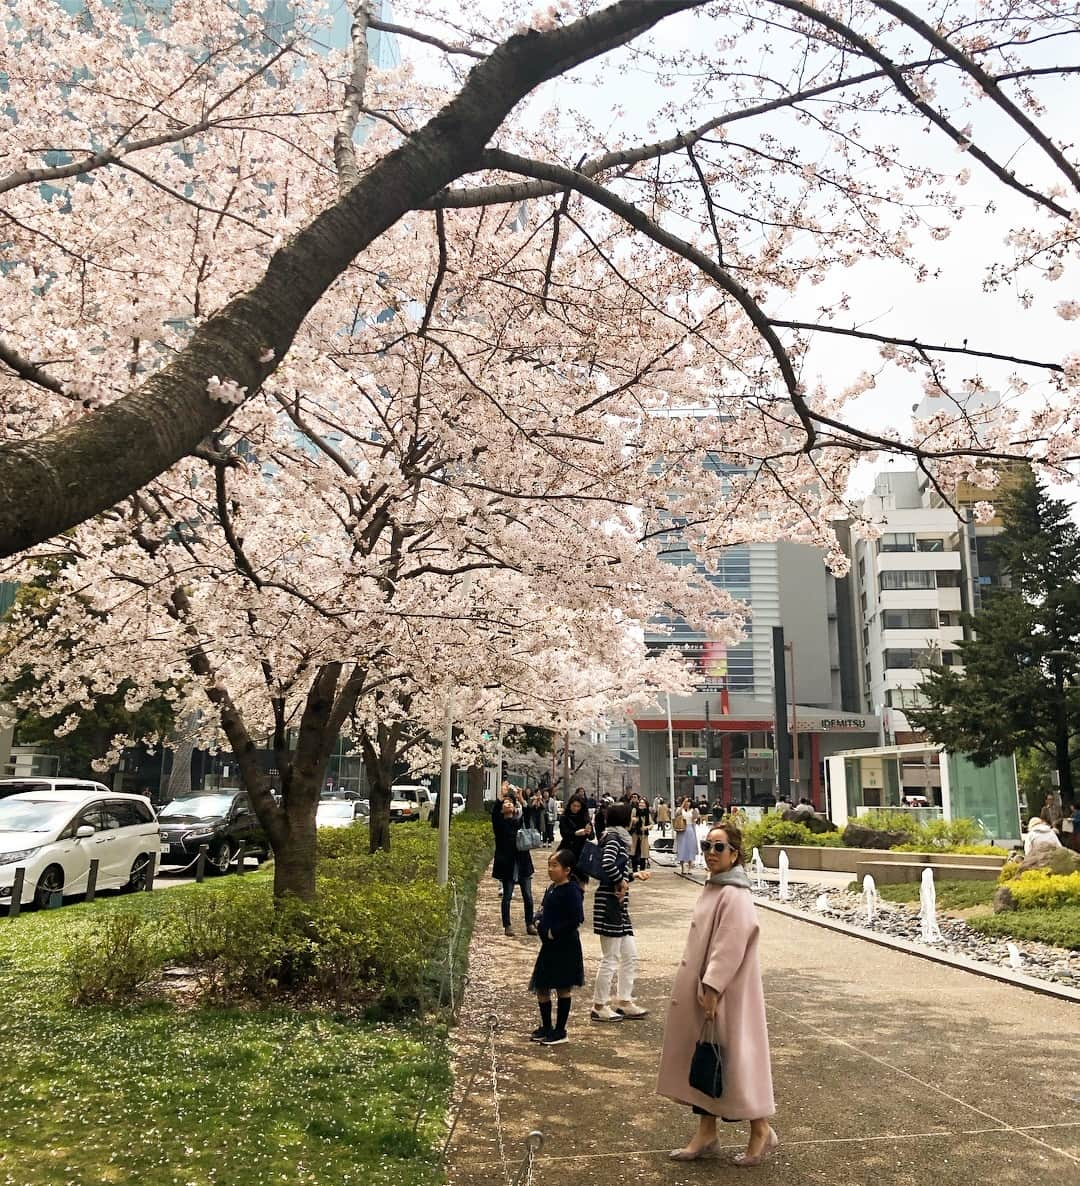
x,y
679,823
591,863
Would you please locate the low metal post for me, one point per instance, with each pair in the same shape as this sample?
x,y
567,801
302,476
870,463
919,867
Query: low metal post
x,y
241,857
151,869
16,893
91,879
200,863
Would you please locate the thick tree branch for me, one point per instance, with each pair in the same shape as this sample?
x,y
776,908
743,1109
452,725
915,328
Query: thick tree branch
x,y
52,483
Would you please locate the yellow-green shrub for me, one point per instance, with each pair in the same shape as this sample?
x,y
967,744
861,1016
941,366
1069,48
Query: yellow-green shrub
x,y
1039,889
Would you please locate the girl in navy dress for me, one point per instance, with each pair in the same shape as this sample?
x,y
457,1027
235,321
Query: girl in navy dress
x,y
559,966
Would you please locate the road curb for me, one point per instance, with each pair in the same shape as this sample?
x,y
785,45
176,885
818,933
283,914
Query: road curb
x,y
959,962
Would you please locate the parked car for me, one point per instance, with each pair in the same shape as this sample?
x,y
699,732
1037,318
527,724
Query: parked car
x,y
337,813
221,820
54,835
32,786
457,803
409,802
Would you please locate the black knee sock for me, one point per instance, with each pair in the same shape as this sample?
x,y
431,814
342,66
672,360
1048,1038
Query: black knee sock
x,y
545,1013
563,1013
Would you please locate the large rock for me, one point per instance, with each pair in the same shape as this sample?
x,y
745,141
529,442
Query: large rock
x,y
1057,860
820,824
1003,900
858,836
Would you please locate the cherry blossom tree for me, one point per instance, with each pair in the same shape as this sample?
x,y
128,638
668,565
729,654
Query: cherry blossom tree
x,y
181,221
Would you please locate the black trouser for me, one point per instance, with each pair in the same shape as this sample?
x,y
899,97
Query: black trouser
x,y
526,897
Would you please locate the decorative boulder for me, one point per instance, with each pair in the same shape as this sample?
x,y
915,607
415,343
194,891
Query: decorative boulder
x,y
819,824
858,836
1003,900
1057,860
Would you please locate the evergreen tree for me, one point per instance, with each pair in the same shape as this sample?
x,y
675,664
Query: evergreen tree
x,y
1017,690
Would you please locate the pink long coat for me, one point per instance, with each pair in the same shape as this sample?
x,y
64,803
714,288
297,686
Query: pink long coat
x,y
721,951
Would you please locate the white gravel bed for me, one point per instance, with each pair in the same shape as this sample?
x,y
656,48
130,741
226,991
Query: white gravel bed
x,y
901,921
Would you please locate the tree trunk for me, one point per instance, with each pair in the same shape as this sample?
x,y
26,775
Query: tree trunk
x,y
474,795
294,852
1061,741
180,774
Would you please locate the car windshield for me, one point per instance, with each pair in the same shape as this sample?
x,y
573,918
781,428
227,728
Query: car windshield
x,y
407,793
26,786
201,806
341,809
32,815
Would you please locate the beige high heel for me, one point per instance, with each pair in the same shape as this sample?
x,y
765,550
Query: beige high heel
x,y
745,1161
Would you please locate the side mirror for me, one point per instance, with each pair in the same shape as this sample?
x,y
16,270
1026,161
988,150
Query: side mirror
x,y
83,831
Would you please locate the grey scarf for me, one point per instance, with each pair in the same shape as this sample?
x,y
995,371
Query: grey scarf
x,y
735,876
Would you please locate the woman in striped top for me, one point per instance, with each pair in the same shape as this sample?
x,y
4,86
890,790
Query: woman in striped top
x,y
611,921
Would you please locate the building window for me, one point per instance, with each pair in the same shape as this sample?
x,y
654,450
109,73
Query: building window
x,y
948,580
931,545
909,619
904,698
907,658
948,618
893,541
907,579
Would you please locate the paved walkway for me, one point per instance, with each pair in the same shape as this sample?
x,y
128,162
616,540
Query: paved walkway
x,y
888,1070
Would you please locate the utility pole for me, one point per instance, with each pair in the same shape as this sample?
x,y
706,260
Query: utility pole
x,y
780,733
670,759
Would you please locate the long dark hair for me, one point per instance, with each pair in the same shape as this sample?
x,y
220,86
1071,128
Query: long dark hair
x,y
618,815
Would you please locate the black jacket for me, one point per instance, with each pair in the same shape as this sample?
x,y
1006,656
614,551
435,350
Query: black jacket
x,y
568,825
506,851
561,912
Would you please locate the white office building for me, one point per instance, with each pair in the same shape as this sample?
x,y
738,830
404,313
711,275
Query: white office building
x,y
910,585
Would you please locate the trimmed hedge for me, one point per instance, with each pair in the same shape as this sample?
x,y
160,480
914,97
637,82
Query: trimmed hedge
x,y
380,931
1040,889
1060,927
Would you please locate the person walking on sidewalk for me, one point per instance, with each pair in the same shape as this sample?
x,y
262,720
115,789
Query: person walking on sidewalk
x,y
686,837
551,817
512,867
663,816
640,822
718,993
574,825
559,965
611,921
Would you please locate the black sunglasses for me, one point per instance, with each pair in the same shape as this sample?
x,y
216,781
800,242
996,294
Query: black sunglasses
x,y
716,846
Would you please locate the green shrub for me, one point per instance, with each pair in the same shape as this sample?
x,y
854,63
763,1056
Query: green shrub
x,y
936,835
379,928
951,895
1039,889
771,829
114,958
1060,927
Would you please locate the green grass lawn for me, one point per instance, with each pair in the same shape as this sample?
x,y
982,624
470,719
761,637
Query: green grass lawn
x,y
1060,927
161,1094
951,895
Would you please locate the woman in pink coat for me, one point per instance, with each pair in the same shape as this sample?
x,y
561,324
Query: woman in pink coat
x,y
719,980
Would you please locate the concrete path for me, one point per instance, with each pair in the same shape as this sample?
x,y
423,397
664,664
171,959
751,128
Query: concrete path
x,y
888,1070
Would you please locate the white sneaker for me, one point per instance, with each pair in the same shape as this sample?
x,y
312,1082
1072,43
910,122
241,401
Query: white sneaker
x,y
604,1013
631,1011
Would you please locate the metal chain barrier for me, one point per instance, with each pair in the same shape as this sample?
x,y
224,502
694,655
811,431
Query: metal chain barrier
x,y
534,1143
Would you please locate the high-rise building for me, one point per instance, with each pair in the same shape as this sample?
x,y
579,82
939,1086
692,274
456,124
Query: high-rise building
x,y
725,735
909,586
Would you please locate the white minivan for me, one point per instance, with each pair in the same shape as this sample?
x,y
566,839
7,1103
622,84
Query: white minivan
x,y
54,835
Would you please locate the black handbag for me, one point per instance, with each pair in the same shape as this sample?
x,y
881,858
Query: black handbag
x,y
707,1064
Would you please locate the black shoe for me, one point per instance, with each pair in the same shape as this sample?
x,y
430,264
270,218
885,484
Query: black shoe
x,y
555,1038
540,1034
531,930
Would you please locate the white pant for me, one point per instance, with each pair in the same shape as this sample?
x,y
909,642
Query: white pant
x,y
619,954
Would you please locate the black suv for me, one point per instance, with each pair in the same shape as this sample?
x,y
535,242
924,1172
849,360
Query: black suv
x,y
222,820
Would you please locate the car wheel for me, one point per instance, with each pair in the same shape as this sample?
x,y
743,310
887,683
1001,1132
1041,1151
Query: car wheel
x,y
49,883
221,856
140,867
